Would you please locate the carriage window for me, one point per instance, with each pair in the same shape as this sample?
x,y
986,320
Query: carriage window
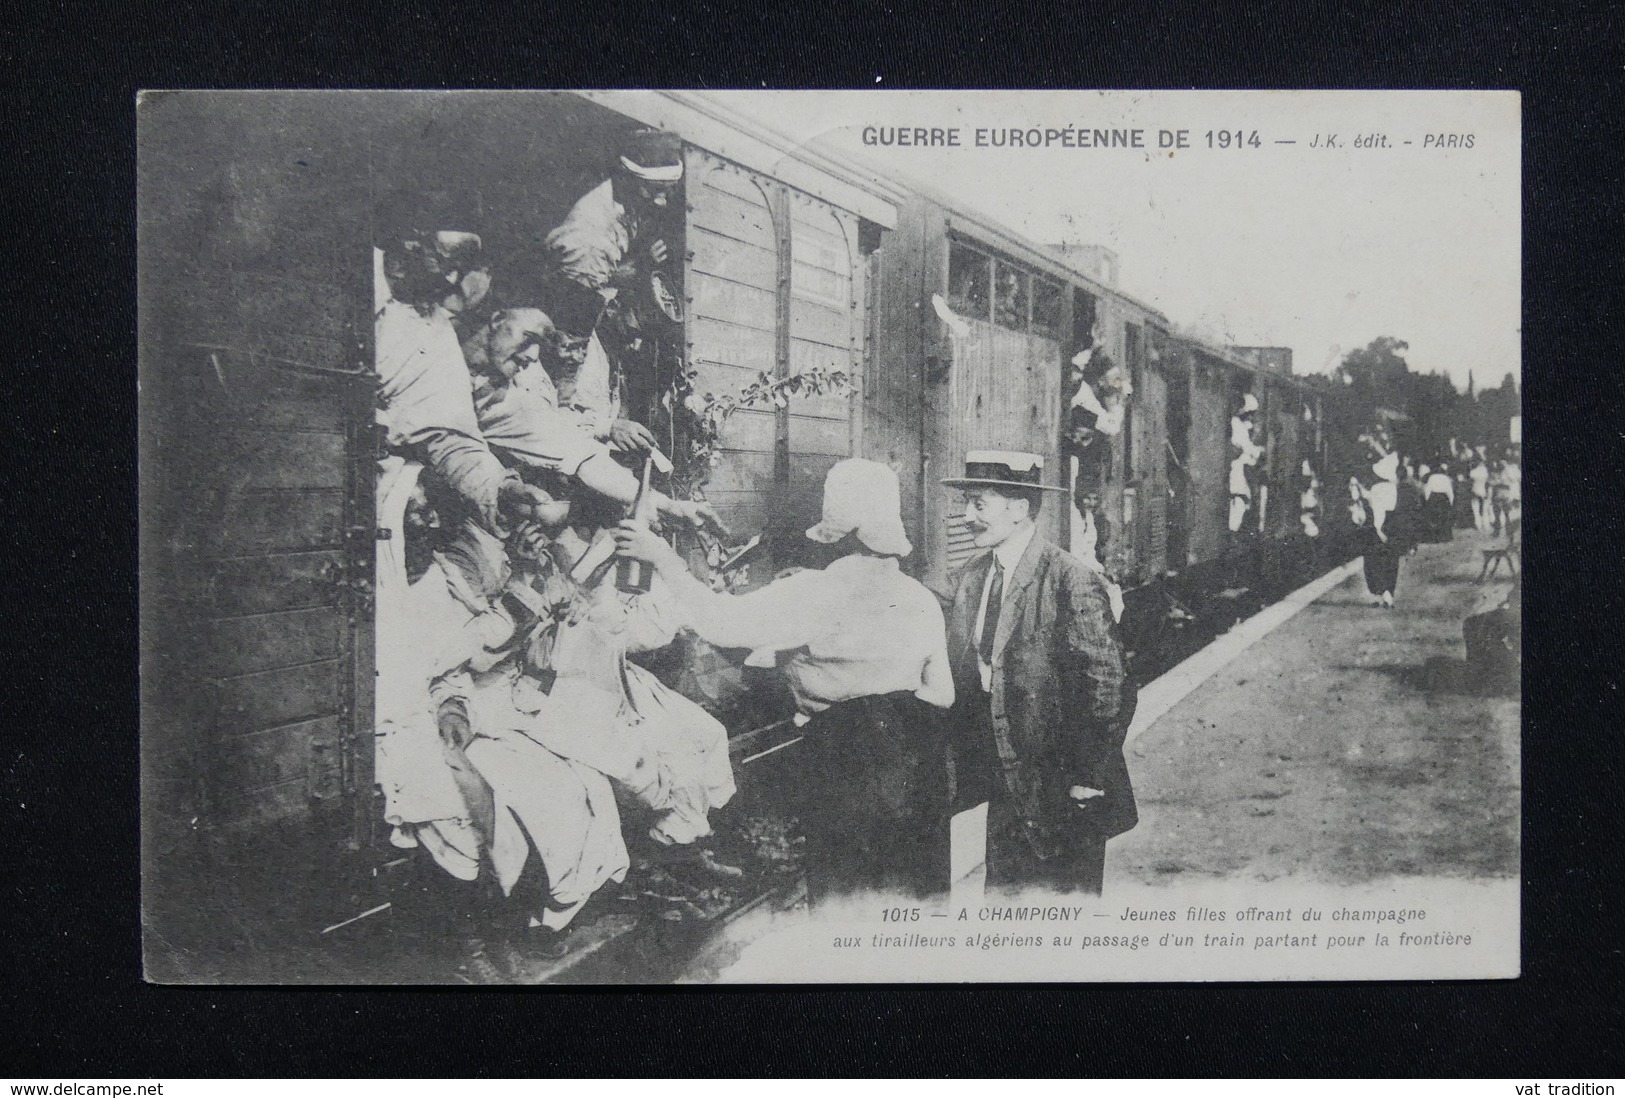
x,y
969,282
1133,347
1011,292
1047,297
1083,320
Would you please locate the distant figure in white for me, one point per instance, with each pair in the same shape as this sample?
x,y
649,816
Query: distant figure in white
x,y
1091,533
1309,500
1247,454
1480,477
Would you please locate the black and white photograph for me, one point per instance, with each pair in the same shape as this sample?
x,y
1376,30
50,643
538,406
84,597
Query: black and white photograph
x,y
711,537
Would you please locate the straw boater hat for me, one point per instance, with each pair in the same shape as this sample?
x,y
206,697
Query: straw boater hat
x,y
1002,469
862,497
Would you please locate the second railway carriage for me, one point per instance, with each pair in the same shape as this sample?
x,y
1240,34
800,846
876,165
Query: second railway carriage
x,y
974,329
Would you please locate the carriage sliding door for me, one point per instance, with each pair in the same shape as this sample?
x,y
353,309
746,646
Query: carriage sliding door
x,y
256,501
774,292
1004,386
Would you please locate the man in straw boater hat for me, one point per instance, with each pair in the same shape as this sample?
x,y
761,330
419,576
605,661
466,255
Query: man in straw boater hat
x,y
609,242
1042,702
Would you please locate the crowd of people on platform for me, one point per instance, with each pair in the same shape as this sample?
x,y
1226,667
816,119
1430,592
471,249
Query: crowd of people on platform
x,y
1401,503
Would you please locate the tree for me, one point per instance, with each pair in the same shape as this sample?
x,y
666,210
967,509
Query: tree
x,y
1431,411
1438,414
1495,409
1378,375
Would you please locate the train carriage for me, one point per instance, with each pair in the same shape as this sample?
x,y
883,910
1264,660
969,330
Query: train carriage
x,y
258,533
991,374
1024,311
975,329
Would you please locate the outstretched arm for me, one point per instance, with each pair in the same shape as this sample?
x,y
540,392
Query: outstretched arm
x,y
607,477
781,615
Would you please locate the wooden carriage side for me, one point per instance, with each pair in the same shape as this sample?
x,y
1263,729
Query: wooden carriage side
x,y
258,439
1001,384
1209,460
1003,391
257,527
939,393
775,285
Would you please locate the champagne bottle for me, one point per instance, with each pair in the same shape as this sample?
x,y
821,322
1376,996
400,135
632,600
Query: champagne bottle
x,y
633,576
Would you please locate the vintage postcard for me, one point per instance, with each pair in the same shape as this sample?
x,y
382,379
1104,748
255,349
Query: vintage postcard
x,y
685,537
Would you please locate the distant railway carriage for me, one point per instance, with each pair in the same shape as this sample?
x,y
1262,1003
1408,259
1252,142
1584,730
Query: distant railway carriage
x,y
1028,310
258,444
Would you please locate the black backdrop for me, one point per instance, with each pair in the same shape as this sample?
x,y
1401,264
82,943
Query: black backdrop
x,y
78,1007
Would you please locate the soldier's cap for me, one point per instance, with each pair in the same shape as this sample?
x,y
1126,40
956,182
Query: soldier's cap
x,y
654,156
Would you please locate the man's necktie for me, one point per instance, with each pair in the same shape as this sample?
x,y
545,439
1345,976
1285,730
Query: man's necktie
x,y
990,620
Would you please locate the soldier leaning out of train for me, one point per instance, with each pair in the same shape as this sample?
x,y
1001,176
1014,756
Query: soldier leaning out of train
x,y
1308,499
426,253
424,244
519,417
1101,389
1247,453
507,708
611,243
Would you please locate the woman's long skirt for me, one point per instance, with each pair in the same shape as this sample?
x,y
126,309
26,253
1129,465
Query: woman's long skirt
x,y
1436,519
1381,565
875,808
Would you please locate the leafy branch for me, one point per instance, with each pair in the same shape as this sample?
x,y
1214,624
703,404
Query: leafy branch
x,y
702,417
698,420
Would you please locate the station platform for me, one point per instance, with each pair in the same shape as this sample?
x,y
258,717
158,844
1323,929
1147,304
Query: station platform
x,y
1332,739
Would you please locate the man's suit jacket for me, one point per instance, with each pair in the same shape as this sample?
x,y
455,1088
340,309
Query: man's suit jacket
x,y
1060,700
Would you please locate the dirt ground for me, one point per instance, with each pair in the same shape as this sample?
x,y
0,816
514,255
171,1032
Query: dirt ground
x,y
1345,746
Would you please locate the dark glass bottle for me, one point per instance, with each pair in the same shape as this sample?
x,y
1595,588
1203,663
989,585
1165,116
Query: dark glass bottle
x,y
634,576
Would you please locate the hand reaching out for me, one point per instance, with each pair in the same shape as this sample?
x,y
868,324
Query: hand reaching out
x,y
627,434
698,514
634,539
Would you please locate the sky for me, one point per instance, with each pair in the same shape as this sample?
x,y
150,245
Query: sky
x,y
1317,249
